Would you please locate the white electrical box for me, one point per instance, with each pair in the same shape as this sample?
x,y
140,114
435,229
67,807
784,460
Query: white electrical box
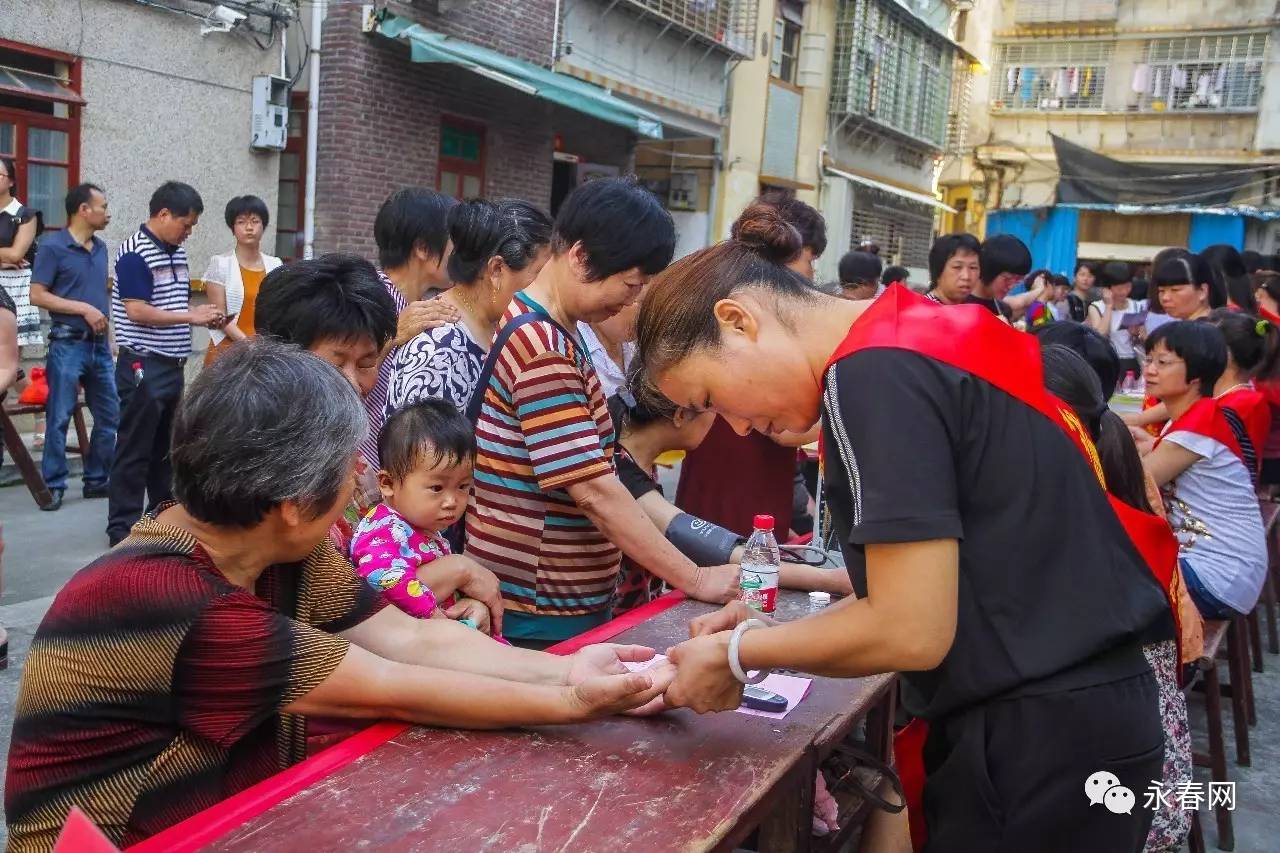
x,y
682,193
270,131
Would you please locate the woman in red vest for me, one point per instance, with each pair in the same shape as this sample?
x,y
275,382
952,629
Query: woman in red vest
x,y
1018,640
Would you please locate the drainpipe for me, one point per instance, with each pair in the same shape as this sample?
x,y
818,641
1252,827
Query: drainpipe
x,y
555,37
313,131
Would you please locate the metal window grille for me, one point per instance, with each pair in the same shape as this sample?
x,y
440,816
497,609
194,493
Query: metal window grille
x,y
891,69
1057,11
903,230
958,110
1050,75
1202,73
730,23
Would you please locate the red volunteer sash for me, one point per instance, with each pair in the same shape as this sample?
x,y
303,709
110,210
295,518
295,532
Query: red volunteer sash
x,y
972,339
1205,418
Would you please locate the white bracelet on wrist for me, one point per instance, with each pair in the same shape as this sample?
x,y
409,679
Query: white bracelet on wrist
x,y
735,666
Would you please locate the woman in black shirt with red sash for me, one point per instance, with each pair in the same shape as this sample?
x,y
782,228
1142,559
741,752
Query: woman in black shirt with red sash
x,y
1019,643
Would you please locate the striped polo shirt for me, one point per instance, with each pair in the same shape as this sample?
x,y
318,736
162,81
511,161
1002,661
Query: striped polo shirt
x,y
375,404
147,268
543,426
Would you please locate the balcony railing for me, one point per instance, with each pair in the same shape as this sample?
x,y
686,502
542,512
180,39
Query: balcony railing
x,y
892,70
730,24
1063,11
1189,74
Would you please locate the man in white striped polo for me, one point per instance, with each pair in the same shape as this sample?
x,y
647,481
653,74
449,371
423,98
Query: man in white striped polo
x,y
152,314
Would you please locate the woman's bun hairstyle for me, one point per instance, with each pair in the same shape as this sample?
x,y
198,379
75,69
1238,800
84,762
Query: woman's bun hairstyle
x,y
762,229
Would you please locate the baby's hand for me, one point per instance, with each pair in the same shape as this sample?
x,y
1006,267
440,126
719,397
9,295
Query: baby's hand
x,y
472,612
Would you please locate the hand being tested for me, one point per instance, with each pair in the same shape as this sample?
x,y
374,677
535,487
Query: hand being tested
x,y
590,664
703,680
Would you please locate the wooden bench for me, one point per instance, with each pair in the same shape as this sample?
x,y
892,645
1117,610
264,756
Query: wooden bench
x,y
22,458
1215,634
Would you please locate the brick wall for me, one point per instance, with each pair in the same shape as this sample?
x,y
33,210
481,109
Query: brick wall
x,y
521,28
380,121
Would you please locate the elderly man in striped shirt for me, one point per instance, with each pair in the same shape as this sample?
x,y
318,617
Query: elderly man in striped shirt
x,y
152,314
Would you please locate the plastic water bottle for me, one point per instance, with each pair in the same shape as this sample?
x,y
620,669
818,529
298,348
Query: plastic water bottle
x,y
1129,385
760,561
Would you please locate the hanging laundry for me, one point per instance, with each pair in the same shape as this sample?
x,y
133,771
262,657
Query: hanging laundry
x,y
1157,84
1062,83
1086,88
1011,80
1142,78
1028,84
1177,78
1074,73
1220,79
1203,83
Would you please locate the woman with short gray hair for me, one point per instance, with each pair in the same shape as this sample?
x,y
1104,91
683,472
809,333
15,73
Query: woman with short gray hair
x,y
178,669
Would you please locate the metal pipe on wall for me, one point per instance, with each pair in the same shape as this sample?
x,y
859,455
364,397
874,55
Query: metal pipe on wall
x,y
313,130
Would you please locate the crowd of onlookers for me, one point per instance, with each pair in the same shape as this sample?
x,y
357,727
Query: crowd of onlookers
x,y
461,432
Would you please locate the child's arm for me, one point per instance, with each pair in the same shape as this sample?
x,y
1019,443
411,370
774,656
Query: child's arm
x,y
457,573
394,577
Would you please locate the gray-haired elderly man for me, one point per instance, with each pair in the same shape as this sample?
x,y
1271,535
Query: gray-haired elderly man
x,y
205,637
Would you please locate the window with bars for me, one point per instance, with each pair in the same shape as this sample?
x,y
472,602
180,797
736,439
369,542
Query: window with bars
x,y
892,69
1202,73
729,23
1058,11
903,231
1050,75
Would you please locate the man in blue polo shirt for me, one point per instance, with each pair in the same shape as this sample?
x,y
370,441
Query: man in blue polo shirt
x,y
69,280
152,313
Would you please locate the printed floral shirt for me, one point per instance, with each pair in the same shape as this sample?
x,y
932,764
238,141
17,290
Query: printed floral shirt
x,y
387,552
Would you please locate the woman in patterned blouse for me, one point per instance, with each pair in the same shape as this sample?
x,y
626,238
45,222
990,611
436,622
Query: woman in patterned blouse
x,y
498,248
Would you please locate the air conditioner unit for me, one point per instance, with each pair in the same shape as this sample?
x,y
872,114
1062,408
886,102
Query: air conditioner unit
x,y
270,127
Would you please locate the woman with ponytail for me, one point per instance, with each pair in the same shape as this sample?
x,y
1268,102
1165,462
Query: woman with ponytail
x,y
1230,276
954,544
1253,356
498,248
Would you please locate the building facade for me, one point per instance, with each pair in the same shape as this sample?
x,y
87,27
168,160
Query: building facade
x,y
862,100
79,101
672,57
1179,100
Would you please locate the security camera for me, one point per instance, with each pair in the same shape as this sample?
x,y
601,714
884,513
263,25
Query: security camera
x,y
221,20
228,17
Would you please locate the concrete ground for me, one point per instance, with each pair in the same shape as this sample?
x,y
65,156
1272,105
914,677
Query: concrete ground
x,y
43,549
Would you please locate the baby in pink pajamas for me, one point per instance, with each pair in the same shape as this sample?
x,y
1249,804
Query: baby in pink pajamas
x,y
388,551
427,451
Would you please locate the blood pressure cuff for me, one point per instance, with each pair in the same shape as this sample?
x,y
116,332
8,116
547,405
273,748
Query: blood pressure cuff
x,y
705,543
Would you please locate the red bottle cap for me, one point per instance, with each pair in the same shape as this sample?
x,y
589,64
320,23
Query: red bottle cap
x,y
763,522
137,365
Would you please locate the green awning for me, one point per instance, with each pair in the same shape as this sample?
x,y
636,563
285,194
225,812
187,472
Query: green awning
x,y
429,46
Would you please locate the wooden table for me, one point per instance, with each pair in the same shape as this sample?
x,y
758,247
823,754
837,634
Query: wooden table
x,y
677,781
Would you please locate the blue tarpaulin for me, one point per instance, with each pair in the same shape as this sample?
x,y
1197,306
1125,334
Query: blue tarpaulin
x,y
1051,233
1208,230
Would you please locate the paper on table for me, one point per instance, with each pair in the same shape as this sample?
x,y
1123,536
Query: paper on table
x,y
790,687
